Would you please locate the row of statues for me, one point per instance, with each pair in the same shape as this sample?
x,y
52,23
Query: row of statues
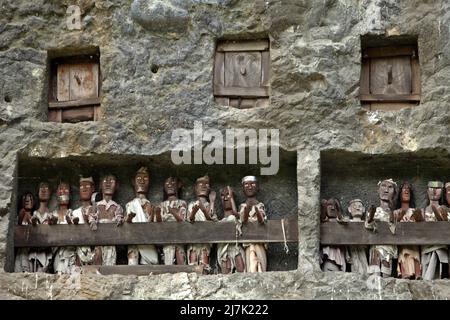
x,y
231,257
396,205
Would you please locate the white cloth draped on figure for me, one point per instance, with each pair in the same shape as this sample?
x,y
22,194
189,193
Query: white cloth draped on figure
x,y
143,254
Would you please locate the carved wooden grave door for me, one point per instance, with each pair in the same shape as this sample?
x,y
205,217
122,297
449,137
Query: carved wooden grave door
x,y
76,95
390,78
241,73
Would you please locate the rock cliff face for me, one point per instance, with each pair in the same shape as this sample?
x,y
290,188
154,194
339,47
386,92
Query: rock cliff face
x,y
156,61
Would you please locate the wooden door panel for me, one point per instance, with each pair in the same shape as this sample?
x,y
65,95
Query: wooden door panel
x,y
243,69
63,82
83,81
390,75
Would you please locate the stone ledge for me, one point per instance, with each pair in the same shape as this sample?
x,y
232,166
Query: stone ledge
x,y
271,285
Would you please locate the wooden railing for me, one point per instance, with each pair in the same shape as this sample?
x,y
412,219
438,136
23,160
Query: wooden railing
x,y
154,233
406,233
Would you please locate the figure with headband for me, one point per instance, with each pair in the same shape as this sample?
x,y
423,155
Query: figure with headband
x,y
358,255
381,256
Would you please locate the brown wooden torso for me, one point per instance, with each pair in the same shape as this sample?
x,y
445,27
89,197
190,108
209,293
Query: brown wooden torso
x,y
106,214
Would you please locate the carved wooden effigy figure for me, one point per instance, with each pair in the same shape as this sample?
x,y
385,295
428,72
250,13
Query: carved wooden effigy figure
x,y
40,258
230,256
63,257
173,209
109,211
201,209
333,258
381,256
140,210
435,257
408,256
358,254
87,255
253,211
22,264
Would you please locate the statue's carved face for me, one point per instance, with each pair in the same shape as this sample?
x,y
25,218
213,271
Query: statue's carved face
x,y
86,190
386,191
226,197
405,194
250,188
434,194
44,192
109,185
28,202
63,193
141,183
331,209
202,188
356,209
170,186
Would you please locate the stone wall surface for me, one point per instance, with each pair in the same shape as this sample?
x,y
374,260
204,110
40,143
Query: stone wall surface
x,y
156,60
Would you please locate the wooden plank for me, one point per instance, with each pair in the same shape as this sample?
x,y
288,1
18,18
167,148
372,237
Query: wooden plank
x,y
258,92
75,103
250,45
222,101
97,113
243,103
390,76
248,103
407,233
153,233
381,52
365,77
54,115
265,68
83,81
141,270
242,69
415,76
78,114
63,82
389,98
219,68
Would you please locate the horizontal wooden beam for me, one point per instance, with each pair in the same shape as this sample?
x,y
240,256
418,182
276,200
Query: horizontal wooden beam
x,y
73,103
141,270
407,233
254,45
382,52
254,92
153,233
390,98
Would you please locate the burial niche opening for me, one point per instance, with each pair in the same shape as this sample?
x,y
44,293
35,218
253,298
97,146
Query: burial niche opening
x,y
400,187
390,73
74,85
241,73
277,192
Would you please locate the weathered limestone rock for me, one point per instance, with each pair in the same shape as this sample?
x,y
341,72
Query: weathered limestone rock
x,y
159,16
272,285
